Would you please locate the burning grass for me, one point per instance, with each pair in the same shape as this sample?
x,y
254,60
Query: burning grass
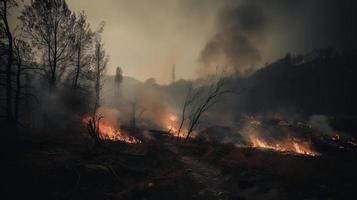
x,y
172,124
278,136
108,130
114,170
293,145
257,174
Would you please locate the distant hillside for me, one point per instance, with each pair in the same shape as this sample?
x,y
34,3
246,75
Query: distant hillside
x,y
323,81
128,86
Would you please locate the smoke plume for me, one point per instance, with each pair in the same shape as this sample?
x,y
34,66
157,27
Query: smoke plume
x,y
251,33
236,42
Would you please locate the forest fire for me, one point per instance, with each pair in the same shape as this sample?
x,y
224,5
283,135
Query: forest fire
x,y
131,100
293,145
172,124
256,131
109,131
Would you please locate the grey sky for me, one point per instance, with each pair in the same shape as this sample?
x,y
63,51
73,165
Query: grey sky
x,y
146,37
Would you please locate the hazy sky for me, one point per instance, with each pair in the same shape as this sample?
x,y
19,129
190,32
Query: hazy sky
x,y
146,37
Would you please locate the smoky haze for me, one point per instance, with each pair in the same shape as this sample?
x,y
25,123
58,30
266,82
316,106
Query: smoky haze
x,y
146,38
250,33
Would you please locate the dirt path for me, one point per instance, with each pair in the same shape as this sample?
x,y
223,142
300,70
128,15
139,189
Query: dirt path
x,y
210,179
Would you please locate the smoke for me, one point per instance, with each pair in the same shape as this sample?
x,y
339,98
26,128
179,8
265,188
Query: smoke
x,y
240,30
149,103
251,33
110,114
320,122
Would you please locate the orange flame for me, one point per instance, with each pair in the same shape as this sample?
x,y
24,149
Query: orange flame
x,y
289,145
109,131
172,124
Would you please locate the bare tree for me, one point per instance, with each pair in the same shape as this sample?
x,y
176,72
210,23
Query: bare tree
x,y
93,128
118,79
82,45
8,36
100,60
137,112
202,100
50,24
24,61
189,99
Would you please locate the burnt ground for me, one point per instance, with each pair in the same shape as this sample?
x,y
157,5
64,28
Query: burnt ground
x,y
34,168
212,183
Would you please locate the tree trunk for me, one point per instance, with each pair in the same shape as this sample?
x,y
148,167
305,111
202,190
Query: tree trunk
x,y
18,89
134,118
53,81
9,103
97,85
182,120
75,84
189,133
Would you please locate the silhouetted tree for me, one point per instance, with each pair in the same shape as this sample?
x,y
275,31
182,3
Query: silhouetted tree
x,y
100,60
50,25
189,99
202,100
82,45
5,31
118,79
23,60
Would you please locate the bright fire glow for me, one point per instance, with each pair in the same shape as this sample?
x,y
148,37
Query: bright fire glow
x,y
109,131
173,118
172,124
289,145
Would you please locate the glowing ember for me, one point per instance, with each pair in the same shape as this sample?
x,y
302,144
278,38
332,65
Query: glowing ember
x,y
172,124
335,137
352,143
289,145
109,131
173,118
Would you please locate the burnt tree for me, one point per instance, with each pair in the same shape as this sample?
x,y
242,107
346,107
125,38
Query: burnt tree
x,y
50,25
203,99
118,78
137,112
24,63
6,32
100,60
189,99
81,47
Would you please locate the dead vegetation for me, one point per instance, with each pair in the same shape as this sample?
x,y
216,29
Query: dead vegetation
x,y
167,169
46,169
264,174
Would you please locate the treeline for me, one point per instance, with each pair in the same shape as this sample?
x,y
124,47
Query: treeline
x,y
320,82
49,49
